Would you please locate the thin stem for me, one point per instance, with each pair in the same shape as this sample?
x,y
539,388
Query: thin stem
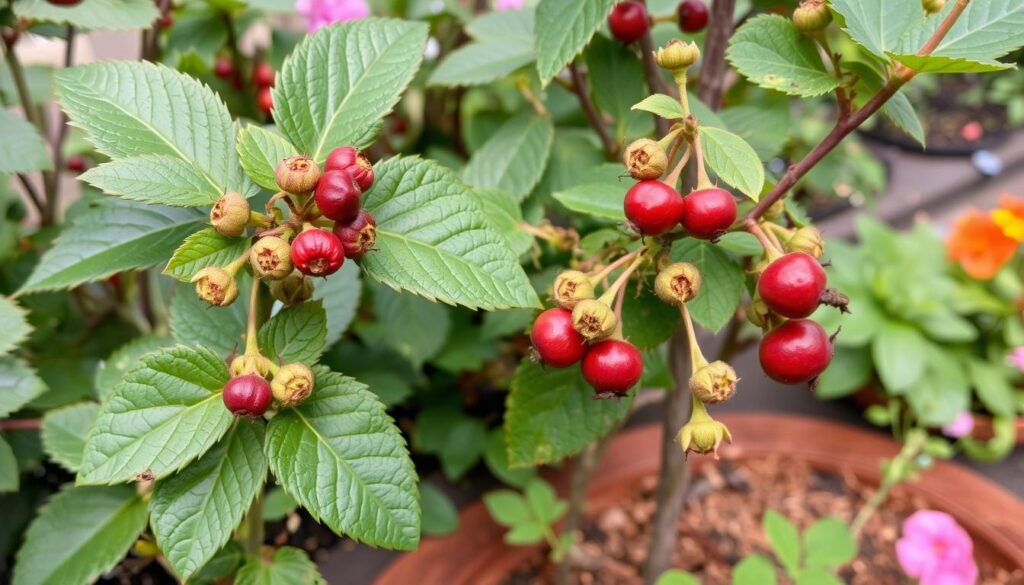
x,y
579,87
603,274
151,37
703,182
655,83
673,178
697,359
620,282
33,195
21,424
891,479
523,83
755,228
773,236
236,54
713,71
251,345
842,99
582,471
53,201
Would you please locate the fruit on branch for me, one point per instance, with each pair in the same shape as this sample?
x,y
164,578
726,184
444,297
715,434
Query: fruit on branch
x,y
652,207
230,214
807,240
555,340
612,367
265,100
571,287
933,6
292,384
792,285
292,289
338,196
317,252
76,163
64,2
714,382
224,67
271,258
167,21
677,283
795,352
358,237
594,319
708,213
263,75
693,15
353,162
247,395
812,16
629,21
252,364
297,174
216,286
645,159
677,55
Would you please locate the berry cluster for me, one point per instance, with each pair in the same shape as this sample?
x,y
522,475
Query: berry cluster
x,y
263,79
629,20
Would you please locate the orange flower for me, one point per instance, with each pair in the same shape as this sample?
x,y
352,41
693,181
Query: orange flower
x,y
979,244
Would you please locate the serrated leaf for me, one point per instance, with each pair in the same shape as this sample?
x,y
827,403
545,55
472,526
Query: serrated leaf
x,y
984,32
784,539
898,109
95,14
435,241
770,52
647,321
164,415
117,235
220,329
371,62
340,295
64,431
513,159
22,149
944,64
8,468
19,384
722,278
563,29
414,327
661,105
14,327
289,566
733,160
344,460
616,79
154,178
260,151
295,334
195,511
481,62
878,25
829,543
506,218
602,200
201,249
552,414
440,516
81,533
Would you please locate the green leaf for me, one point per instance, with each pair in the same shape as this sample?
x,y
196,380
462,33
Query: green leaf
x,y
784,539
817,576
457,439
295,334
260,151
513,159
165,414
770,52
552,414
201,249
414,327
525,534
496,458
943,64
224,564
849,371
8,468
616,79
898,109
440,516
507,508
289,566
482,62
676,577
81,533
723,282
371,62
96,14
647,321
517,24
64,432
878,25
564,27
543,501
829,543
984,32
343,459
432,235
740,243
899,353
277,504
195,511
19,384
733,160
754,570
132,109
599,194
194,323
661,105
154,178
992,384
22,149
115,236
340,295
765,125
14,327
505,217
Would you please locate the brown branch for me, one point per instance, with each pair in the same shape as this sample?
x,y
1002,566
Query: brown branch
x,y
582,471
712,73
151,38
33,195
579,87
53,197
21,424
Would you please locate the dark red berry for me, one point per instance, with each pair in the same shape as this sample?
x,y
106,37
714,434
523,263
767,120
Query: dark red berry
x,y
354,163
613,367
652,207
265,100
795,352
629,21
556,340
224,67
708,213
317,252
263,75
358,237
247,395
167,21
76,163
338,196
792,285
693,15
64,2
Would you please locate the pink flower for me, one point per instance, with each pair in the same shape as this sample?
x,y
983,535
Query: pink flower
x,y
1016,358
508,4
936,550
961,426
320,13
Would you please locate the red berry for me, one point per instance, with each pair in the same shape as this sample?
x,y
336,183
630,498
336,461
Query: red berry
x,y
796,351
167,21
338,196
653,207
613,366
354,163
708,213
265,100
693,16
64,2
792,285
263,75
556,340
358,237
317,253
629,21
76,163
247,395
224,67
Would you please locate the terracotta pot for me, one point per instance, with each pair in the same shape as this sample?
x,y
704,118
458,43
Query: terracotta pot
x,y
983,431
476,554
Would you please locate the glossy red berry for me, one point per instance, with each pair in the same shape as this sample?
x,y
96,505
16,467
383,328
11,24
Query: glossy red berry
x,y
263,75
613,367
358,237
629,21
247,395
354,163
64,2
708,213
338,196
792,285
76,163
265,100
224,67
652,207
795,352
556,340
317,252
167,21
693,15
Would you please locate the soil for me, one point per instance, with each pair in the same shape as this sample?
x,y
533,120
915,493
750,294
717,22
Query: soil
x,y
721,523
